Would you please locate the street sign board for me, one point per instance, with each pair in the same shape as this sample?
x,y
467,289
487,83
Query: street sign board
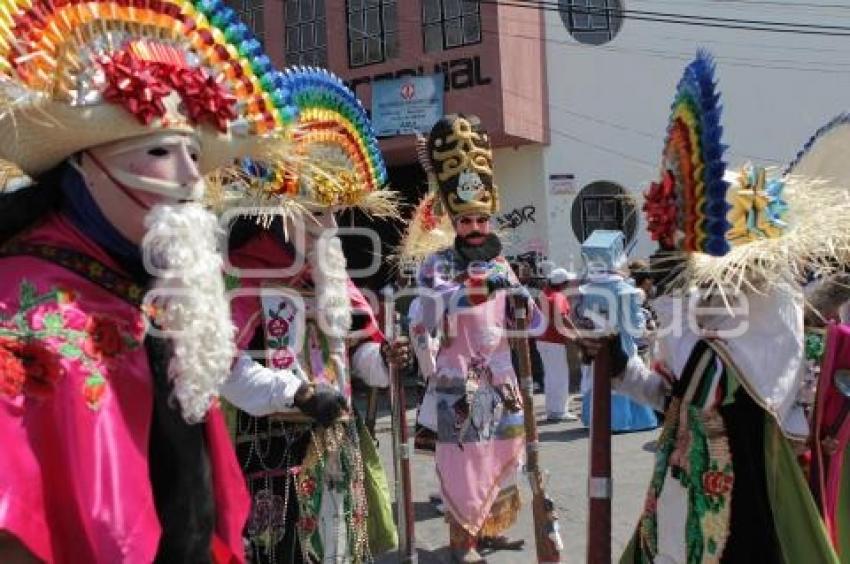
x,y
407,105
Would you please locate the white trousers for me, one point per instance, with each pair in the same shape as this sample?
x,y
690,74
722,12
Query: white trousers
x,y
556,377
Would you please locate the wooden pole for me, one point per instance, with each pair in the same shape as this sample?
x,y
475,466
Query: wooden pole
x,y
546,536
599,487
402,445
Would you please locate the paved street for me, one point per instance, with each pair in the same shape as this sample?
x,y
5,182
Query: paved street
x,y
564,453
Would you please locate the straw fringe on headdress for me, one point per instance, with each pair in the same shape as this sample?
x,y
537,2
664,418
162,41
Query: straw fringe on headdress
x,y
746,230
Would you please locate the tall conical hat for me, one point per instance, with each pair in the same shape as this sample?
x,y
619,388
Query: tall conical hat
x,y
462,159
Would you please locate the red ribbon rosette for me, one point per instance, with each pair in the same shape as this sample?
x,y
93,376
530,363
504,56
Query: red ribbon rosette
x,y
660,210
140,86
134,84
203,96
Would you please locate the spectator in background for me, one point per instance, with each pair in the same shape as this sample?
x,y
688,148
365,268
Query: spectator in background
x,y
644,282
552,346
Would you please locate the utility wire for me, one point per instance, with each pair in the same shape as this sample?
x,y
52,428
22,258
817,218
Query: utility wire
x,y
681,19
601,11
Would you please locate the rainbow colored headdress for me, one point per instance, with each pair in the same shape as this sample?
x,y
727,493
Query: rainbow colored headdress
x,y
687,208
334,158
78,74
745,227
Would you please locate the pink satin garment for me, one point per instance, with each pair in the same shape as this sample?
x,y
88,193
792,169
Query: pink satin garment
x,y
74,483
472,477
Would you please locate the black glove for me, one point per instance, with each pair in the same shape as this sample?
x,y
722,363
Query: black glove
x,y
322,403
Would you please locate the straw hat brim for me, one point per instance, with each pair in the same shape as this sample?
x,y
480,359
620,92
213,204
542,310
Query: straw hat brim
x,y
40,136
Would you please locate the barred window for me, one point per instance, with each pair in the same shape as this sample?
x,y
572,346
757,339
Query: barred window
x,y
372,31
251,13
593,22
306,33
450,23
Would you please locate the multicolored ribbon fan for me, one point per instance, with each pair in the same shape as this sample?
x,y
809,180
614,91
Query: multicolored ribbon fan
x,y
687,208
43,42
339,158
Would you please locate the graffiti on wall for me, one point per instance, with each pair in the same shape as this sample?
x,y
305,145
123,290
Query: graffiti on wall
x,y
517,217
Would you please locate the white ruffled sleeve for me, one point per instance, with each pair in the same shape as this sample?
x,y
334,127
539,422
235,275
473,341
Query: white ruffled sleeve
x,y
368,364
258,390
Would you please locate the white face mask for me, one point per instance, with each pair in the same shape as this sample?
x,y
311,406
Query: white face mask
x,y
164,164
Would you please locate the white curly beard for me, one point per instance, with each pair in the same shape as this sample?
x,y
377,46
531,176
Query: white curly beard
x,y
180,249
333,306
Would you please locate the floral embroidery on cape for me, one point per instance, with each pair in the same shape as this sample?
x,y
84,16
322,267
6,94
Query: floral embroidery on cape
x,y
49,327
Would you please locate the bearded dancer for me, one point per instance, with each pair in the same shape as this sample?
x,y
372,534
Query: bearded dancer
x,y
479,409
113,448
303,330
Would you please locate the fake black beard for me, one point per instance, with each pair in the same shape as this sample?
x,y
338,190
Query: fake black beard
x,y
486,251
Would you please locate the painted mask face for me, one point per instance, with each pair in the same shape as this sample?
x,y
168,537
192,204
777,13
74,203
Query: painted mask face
x,y
128,178
164,164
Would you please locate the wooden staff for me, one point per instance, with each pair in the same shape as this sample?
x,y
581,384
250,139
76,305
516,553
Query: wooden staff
x,y
546,536
402,445
599,486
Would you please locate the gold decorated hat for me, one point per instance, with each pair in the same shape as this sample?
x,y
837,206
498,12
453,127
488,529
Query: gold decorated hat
x,y
461,161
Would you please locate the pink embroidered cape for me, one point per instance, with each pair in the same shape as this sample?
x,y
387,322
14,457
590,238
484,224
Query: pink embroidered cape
x,y
74,483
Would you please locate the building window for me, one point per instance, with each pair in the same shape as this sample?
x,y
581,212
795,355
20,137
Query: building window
x,y
306,33
593,22
603,205
450,23
251,14
372,31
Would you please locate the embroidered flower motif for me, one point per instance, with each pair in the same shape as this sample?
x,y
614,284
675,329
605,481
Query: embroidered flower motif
x,y
12,373
650,505
94,391
104,340
42,369
48,328
283,358
307,524
716,483
267,513
308,487
359,517
277,327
